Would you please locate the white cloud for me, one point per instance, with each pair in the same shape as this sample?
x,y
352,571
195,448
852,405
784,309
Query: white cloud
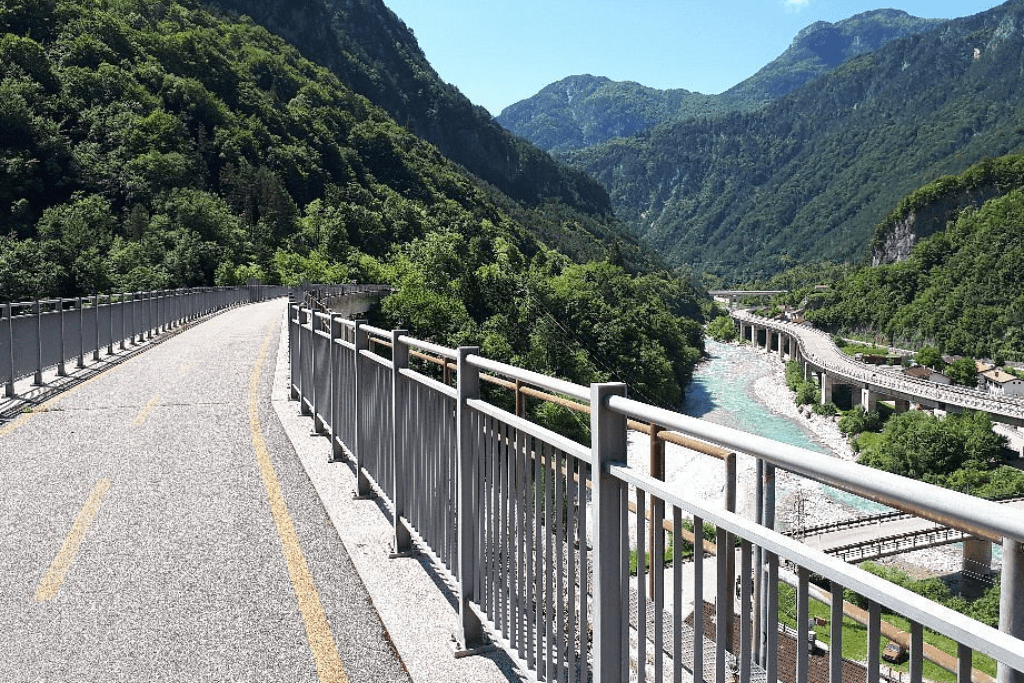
x,y
796,4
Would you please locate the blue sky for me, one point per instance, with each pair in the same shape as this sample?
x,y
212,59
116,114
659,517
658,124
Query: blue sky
x,y
498,52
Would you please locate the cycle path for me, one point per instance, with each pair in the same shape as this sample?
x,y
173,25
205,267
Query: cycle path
x,y
156,525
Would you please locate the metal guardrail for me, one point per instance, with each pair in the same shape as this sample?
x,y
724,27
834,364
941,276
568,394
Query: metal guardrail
x,y
516,514
47,333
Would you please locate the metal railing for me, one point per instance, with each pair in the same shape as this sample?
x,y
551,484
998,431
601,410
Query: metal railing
x,y
47,333
536,531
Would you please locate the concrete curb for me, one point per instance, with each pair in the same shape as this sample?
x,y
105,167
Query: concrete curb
x,y
415,606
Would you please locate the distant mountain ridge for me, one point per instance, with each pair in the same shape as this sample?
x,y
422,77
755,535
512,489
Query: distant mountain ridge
x,y
585,110
808,176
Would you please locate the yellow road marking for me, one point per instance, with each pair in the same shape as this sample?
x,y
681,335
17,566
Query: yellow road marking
x,y
141,417
318,632
54,578
185,368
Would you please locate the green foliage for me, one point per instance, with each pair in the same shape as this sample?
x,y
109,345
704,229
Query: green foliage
x,y
959,289
918,445
722,329
807,176
930,357
963,372
825,409
858,420
152,145
807,393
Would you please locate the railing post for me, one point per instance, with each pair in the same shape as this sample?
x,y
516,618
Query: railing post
x,y
37,380
302,371
1011,603
471,632
9,384
362,343
316,398
608,445
62,370
81,334
333,358
124,331
402,542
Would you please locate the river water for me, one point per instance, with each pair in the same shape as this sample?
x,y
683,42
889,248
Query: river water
x,y
722,392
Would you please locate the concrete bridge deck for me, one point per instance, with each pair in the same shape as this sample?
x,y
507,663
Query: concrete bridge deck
x,y
158,525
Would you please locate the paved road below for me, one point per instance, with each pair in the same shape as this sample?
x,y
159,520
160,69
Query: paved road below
x,y
157,526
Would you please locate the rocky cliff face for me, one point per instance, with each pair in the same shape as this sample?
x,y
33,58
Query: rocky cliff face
x,y
892,242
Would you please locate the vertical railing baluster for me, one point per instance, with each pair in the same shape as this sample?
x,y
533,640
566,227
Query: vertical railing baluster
x,y
964,664
803,615
835,645
641,585
746,644
916,652
81,334
361,394
37,379
402,542
874,641
698,599
772,617
9,357
61,368
677,594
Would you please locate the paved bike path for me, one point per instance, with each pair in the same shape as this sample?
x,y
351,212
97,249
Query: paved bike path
x,y
141,538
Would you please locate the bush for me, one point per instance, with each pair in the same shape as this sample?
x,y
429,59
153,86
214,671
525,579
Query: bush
x,y
858,420
827,409
722,329
806,393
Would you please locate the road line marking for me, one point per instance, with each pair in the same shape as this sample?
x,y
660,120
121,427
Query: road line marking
x,y
318,632
54,578
185,368
141,417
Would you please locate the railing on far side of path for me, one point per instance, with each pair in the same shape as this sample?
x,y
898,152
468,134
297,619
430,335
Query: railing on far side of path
x,y
544,538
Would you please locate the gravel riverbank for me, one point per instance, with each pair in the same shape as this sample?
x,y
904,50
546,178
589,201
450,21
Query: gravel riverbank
x,y
702,477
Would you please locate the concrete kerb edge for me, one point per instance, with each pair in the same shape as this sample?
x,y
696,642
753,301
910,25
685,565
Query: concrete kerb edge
x,y
416,616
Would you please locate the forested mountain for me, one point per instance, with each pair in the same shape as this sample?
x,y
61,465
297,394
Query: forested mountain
x,y
823,46
151,143
580,111
809,176
959,287
376,55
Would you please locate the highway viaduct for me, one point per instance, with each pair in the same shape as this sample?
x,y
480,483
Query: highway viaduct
x,y
868,384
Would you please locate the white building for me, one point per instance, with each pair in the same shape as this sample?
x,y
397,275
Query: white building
x,y
1001,383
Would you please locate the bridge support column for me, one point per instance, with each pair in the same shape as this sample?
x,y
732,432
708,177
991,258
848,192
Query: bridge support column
x,y
826,388
782,344
976,567
869,400
1011,602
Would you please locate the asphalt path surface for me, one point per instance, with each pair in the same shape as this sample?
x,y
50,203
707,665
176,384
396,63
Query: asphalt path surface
x,y
156,525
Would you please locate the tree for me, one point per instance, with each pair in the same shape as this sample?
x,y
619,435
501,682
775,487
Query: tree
x,y
963,372
930,357
722,329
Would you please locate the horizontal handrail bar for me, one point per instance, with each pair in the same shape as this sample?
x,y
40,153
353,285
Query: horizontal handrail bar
x,y
535,378
429,383
436,349
980,518
566,445
939,618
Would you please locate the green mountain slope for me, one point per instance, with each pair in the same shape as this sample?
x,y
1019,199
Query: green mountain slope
x,y
580,111
149,143
958,288
375,54
809,176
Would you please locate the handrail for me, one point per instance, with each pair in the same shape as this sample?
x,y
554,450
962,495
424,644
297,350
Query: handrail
x,y
981,518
